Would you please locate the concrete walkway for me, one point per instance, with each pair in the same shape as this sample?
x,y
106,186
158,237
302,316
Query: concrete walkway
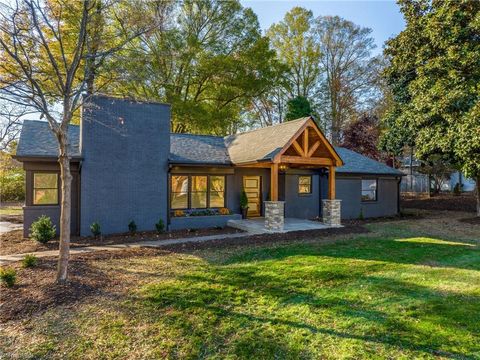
x,y
6,226
5,259
257,225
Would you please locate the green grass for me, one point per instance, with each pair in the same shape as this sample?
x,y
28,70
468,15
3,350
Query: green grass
x,y
393,293
11,210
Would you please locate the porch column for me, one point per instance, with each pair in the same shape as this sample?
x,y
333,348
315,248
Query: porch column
x,y
331,214
274,209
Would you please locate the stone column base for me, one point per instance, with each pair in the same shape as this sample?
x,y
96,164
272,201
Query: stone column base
x,y
274,215
331,212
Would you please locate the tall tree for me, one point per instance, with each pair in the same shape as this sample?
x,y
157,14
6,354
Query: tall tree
x,y
362,136
209,62
298,107
293,40
43,53
434,63
348,65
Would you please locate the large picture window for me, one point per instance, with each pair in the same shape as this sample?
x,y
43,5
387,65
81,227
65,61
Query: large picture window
x,y
369,189
197,191
305,184
45,189
179,191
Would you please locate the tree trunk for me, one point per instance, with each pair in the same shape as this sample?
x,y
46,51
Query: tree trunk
x,y
65,215
478,195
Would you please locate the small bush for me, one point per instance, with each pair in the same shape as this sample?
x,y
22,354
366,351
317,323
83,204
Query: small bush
x,y
29,260
192,230
43,229
132,227
457,189
95,229
8,276
243,200
360,216
160,226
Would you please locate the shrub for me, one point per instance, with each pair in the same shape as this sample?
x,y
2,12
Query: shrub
x,y
8,276
360,216
29,260
224,211
43,229
160,226
243,200
457,190
95,229
132,227
179,213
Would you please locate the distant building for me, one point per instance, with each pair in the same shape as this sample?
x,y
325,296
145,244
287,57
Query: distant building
x,y
416,182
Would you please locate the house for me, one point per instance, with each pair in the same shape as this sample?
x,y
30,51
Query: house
x,y
415,181
126,165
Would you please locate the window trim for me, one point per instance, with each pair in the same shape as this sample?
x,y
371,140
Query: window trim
x,y
376,190
311,186
57,188
189,191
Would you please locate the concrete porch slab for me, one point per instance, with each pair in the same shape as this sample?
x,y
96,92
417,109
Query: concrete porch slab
x,y
257,225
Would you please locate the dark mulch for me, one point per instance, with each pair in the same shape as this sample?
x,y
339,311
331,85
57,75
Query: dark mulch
x,y
472,221
36,292
401,216
13,242
464,202
15,219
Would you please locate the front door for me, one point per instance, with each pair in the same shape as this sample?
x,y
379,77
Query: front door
x,y
252,187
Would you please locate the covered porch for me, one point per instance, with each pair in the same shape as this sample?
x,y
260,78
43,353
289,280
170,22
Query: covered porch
x,y
306,149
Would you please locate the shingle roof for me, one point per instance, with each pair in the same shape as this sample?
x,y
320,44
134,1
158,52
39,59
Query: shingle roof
x,y
263,143
359,164
36,140
194,149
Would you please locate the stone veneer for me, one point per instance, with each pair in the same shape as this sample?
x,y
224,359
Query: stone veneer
x,y
331,212
274,215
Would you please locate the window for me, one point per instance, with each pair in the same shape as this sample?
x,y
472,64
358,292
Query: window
x,y
217,191
45,189
369,189
179,198
304,184
197,191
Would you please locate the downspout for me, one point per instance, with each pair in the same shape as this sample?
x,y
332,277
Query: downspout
x,y
168,196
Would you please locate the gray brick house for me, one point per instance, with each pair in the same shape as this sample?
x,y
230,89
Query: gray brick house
x,y
127,166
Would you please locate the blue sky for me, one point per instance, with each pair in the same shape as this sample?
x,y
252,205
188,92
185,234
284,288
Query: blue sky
x,y
383,17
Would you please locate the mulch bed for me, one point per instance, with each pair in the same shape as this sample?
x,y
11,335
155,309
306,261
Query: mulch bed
x,y
13,242
472,221
400,217
36,292
464,202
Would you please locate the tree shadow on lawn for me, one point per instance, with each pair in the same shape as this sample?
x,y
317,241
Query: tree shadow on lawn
x,y
417,313
410,250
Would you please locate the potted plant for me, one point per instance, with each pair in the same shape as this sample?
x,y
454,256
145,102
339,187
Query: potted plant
x,y
244,204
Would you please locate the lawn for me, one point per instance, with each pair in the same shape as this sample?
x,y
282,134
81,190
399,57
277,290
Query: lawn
x,y
408,289
11,210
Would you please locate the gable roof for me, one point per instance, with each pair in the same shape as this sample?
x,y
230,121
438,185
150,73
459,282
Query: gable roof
x,y
262,144
36,140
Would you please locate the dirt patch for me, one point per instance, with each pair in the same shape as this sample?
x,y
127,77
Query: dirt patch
x,y
464,202
401,217
13,242
36,292
472,221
